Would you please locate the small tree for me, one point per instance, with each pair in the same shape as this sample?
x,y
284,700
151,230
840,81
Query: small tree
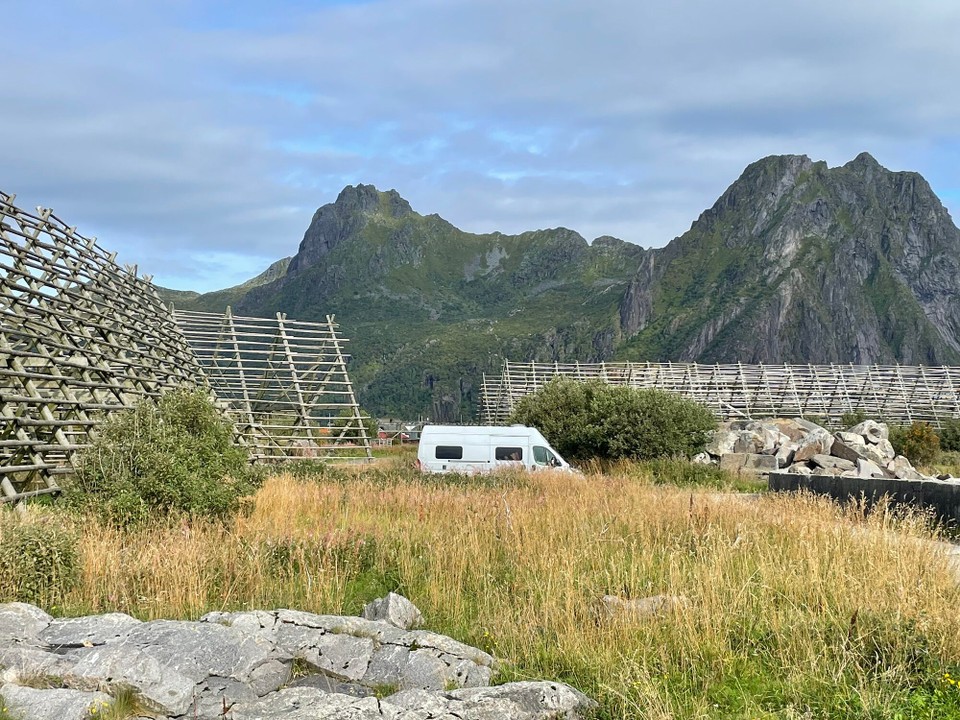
x,y
594,419
171,455
919,442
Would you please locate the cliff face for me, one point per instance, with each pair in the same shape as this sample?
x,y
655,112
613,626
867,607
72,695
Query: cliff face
x,y
797,262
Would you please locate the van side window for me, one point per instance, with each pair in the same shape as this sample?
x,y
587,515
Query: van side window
x,y
542,456
508,453
449,452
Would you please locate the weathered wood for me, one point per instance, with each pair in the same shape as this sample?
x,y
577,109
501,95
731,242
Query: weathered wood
x,y
894,393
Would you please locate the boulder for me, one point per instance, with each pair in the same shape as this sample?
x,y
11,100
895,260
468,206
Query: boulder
x,y
831,463
903,470
854,440
791,428
394,609
886,449
748,462
868,469
871,431
21,623
722,442
800,469
785,453
847,451
529,700
703,458
817,442
55,704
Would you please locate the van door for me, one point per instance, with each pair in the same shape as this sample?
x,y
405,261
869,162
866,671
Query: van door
x,y
510,451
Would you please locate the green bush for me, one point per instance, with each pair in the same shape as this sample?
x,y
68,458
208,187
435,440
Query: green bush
x,y
593,419
950,435
854,417
919,443
38,559
173,455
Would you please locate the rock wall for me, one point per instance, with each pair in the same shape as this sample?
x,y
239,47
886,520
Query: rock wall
x,y
260,665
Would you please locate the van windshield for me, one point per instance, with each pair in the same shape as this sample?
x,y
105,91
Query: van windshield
x,y
543,456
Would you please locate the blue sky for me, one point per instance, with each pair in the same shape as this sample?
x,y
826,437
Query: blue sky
x,y
197,138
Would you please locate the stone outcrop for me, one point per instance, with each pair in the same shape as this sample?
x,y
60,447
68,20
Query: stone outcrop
x,y
802,447
258,665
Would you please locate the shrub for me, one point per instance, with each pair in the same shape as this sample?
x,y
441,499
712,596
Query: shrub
x,y
173,455
38,559
854,417
594,419
950,435
919,442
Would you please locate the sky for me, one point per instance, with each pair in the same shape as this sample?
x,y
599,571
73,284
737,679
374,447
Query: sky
x,y
197,137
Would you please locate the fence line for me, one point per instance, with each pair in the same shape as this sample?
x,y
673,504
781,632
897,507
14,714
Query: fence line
x,y
81,337
893,393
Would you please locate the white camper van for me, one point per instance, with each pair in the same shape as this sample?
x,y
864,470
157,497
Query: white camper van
x,y
482,448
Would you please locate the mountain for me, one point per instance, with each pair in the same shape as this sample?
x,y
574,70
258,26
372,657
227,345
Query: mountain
x,y
428,308
796,262
801,263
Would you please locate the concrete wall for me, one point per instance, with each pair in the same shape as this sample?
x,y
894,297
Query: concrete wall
x,y
942,497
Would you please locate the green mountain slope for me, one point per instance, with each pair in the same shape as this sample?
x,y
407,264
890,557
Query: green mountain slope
x,y
428,308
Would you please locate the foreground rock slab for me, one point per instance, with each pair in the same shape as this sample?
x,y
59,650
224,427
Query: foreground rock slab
x,y
241,666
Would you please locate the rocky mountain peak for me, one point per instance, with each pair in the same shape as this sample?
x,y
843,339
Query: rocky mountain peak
x,y
354,207
366,199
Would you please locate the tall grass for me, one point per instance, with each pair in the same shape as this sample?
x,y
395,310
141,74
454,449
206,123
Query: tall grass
x,y
794,606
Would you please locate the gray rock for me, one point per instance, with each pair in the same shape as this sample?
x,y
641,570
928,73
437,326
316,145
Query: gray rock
x,y
748,462
385,666
87,631
807,426
343,656
872,432
722,442
791,428
800,469
829,462
269,676
522,701
307,703
394,609
424,670
868,469
56,704
161,689
903,470
873,453
854,440
842,449
614,607
215,697
26,661
785,453
21,623
886,449
817,442
747,442
448,646
329,684
702,459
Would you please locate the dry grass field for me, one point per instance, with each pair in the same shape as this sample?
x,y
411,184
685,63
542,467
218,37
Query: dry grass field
x,y
793,607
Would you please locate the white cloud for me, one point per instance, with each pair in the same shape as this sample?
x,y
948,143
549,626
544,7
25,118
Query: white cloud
x,y
198,144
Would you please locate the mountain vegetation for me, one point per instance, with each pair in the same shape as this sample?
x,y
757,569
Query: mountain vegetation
x,y
796,262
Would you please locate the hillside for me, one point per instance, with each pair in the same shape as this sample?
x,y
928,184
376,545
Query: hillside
x,y
796,262
428,308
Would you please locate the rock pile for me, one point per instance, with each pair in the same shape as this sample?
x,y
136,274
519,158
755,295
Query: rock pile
x,y
260,665
802,447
